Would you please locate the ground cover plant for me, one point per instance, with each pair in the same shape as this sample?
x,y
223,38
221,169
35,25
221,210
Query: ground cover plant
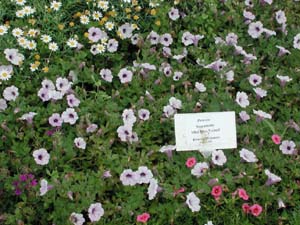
x,y
89,90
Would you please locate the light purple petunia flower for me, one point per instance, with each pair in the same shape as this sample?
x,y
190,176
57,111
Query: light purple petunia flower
x,y
128,177
125,75
41,156
95,211
55,120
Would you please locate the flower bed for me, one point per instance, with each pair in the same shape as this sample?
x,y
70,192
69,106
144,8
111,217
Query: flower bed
x,y
89,90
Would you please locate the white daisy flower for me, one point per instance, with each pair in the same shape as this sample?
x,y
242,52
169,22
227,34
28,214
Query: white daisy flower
x,y
97,15
109,26
6,72
55,5
17,32
3,30
46,38
84,19
53,46
72,43
20,2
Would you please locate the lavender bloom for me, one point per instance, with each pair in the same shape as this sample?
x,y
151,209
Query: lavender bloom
x,y
95,34
282,51
272,178
217,65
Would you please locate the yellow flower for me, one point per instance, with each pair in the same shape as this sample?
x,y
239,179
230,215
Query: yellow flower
x,y
45,69
37,57
105,18
134,2
112,13
138,8
135,17
134,26
37,63
104,41
76,15
127,10
61,26
128,16
32,21
86,34
120,35
176,2
157,23
71,24
153,12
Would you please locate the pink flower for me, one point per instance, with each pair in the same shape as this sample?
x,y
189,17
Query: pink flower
x,y
246,208
276,139
190,162
243,194
256,210
180,190
143,218
217,191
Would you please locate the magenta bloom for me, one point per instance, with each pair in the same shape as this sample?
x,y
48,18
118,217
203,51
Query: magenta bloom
x,y
143,218
23,183
190,162
243,194
180,190
276,139
256,210
23,177
217,191
33,182
18,192
246,208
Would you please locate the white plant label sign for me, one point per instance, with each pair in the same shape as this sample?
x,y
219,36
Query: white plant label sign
x,y
205,131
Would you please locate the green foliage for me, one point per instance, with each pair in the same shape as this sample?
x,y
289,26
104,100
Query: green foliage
x,y
79,172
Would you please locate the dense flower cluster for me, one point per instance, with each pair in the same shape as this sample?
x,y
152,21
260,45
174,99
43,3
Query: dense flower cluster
x,y
89,90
